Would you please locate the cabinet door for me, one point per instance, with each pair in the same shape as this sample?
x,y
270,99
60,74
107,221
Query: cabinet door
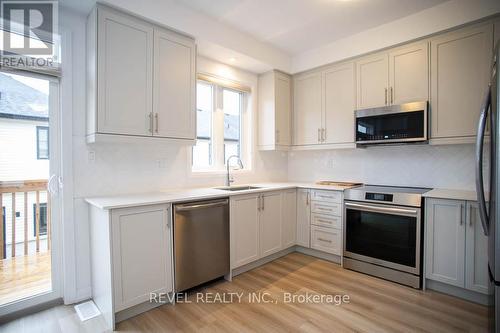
x,y
445,234
460,73
267,110
476,255
409,74
174,86
283,108
244,229
141,255
270,223
373,76
289,220
339,103
496,34
124,74
303,217
307,109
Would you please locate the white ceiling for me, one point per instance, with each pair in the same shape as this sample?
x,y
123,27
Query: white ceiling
x,y
295,26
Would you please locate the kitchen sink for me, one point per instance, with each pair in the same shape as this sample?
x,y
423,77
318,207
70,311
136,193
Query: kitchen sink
x,y
237,188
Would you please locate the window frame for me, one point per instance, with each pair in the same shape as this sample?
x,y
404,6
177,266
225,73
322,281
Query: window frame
x,y
38,129
217,131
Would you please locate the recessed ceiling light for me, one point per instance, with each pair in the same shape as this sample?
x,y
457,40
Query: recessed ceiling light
x,y
232,59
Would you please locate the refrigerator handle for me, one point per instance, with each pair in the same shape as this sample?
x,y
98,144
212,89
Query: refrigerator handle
x,y
483,214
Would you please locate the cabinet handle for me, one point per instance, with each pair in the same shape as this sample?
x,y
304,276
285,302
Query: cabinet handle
x,y
308,198
258,203
385,96
461,214
151,122
262,198
469,215
323,134
319,134
392,96
325,240
156,119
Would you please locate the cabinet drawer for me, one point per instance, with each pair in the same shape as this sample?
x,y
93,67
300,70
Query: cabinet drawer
x,y
326,221
326,208
328,196
326,239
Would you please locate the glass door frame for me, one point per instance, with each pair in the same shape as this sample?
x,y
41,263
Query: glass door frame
x,y
390,210
55,172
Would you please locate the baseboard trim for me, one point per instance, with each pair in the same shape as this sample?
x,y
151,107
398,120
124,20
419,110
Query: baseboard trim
x,y
262,261
465,294
136,310
319,254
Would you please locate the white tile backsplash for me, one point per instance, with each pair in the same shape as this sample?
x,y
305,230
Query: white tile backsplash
x,y
450,166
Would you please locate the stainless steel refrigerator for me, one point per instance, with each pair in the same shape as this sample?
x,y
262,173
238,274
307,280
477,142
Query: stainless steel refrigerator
x,y
489,207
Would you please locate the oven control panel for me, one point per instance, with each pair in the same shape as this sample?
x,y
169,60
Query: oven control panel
x,y
379,197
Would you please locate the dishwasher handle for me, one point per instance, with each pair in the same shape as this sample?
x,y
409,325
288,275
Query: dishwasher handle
x,y
200,205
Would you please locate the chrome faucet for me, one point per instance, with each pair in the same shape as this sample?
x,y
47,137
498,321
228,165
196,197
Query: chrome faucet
x,y
229,180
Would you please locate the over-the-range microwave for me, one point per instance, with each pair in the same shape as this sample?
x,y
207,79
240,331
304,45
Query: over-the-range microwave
x,y
395,124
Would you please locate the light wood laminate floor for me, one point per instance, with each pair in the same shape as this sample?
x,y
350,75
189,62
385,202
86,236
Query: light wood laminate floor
x,y
375,306
24,276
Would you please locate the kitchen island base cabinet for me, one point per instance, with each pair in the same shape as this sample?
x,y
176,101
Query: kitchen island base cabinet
x,y
456,248
131,257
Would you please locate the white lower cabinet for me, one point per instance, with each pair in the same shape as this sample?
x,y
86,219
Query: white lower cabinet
x,y
131,257
303,217
141,254
476,256
456,252
262,224
326,239
245,212
289,218
270,223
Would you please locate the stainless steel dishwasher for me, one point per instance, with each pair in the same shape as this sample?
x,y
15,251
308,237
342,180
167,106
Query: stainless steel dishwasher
x,y
201,242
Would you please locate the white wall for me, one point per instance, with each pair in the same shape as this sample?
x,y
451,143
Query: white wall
x,y
423,165
430,21
127,168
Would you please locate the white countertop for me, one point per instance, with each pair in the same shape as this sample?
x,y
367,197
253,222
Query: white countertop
x,y
180,195
441,193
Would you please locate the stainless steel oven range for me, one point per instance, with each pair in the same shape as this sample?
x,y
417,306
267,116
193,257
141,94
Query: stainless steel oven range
x,y
383,228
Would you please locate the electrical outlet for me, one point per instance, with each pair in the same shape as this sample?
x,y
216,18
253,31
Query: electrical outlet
x,y
161,163
91,156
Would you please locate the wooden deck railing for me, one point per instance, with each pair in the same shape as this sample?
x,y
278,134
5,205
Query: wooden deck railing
x,y
24,186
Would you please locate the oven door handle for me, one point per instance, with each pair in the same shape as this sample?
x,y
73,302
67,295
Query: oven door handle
x,y
379,209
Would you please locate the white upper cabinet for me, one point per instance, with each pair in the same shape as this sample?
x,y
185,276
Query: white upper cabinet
x,y
274,111
496,34
339,104
372,81
409,74
124,74
289,218
303,217
140,79
460,73
307,109
476,257
174,85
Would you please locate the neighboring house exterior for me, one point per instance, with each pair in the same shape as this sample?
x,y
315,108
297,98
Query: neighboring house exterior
x,y
24,152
